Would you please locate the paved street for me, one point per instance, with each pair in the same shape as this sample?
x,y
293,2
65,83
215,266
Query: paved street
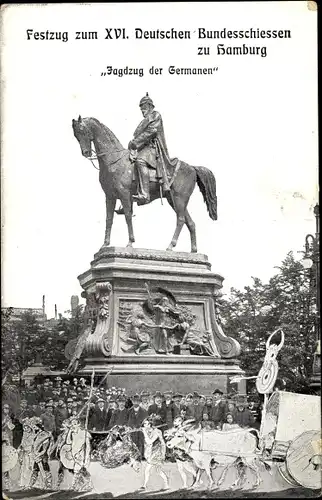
x,y
124,482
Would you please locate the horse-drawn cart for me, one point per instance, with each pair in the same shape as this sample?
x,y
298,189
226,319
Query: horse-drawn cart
x,y
291,437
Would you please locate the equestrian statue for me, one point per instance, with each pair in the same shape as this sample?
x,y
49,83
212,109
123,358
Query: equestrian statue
x,y
144,172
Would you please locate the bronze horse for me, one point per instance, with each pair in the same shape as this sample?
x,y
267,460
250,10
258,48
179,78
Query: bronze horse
x,y
116,178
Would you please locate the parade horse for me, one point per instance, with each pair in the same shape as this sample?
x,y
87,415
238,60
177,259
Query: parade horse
x,y
116,176
118,448
224,448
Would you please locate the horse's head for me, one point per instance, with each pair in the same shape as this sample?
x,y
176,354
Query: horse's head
x,y
83,135
178,441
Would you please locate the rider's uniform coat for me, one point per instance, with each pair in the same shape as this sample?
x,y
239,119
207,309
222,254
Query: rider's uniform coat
x,y
150,142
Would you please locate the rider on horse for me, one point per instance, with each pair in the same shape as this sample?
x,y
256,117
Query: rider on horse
x,y
148,149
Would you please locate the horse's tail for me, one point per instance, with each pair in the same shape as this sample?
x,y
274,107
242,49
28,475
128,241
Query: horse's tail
x,y
207,185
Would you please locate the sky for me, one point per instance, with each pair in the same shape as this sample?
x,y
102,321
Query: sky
x,y
253,123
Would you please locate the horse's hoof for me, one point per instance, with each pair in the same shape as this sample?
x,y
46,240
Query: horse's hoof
x,y
194,250
169,249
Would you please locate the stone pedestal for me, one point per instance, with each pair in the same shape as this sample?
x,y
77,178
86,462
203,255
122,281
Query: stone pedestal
x,y
115,289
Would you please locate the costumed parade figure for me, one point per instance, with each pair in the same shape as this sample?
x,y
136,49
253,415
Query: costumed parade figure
x,y
25,451
118,448
9,461
40,453
7,424
73,449
154,449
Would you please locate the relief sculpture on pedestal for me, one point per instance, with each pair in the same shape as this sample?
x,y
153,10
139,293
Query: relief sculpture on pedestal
x,y
161,326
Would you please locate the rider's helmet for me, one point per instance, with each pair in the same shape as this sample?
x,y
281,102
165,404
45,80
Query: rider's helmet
x,y
146,100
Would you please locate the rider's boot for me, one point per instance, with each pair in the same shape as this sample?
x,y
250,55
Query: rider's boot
x,y
143,196
120,211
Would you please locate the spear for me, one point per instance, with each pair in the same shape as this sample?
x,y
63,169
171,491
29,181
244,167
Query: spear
x,y
89,399
90,396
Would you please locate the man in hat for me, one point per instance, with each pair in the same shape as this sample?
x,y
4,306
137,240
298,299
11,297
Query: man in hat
x,y
41,407
58,381
149,150
136,415
47,392
40,390
218,408
64,392
177,406
99,417
23,411
120,416
196,408
79,391
168,409
188,403
157,407
243,416
48,419
82,382
145,404
69,406
32,396
61,414
112,408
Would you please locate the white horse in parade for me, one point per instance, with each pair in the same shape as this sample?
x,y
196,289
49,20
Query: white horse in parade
x,y
208,449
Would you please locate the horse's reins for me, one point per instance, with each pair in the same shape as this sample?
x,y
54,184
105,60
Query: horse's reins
x,y
95,156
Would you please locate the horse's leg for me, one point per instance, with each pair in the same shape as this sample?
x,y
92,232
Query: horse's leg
x,y
197,479
253,466
195,472
110,206
192,229
223,475
127,207
209,475
179,206
241,474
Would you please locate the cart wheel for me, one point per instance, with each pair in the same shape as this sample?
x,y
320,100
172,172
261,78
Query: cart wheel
x,y
303,459
285,475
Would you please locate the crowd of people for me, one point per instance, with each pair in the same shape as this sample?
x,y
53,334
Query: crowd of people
x,y
46,407
54,401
